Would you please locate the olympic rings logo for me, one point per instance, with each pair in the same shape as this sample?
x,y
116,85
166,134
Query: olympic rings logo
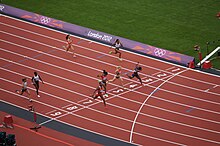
x,y
44,20
1,7
159,52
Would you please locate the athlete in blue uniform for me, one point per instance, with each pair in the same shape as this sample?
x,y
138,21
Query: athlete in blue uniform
x,y
137,69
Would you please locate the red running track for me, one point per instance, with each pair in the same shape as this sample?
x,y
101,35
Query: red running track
x,y
176,105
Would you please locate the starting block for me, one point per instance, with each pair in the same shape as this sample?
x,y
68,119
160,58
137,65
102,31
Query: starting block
x,y
8,122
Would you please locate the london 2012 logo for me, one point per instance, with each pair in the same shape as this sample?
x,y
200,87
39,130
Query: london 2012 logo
x,y
159,52
44,20
1,8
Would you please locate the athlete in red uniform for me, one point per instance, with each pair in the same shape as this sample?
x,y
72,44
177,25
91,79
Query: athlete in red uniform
x,y
104,79
117,75
69,45
99,93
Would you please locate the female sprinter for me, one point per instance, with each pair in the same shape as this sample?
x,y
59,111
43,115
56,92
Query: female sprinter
x,y
24,88
117,75
104,79
69,45
117,45
99,92
137,69
35,80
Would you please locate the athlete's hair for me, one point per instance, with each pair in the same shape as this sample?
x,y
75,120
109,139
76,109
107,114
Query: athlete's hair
x,y
35,73
105,72
67,36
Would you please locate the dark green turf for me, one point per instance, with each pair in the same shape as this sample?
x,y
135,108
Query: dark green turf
x,y
175,25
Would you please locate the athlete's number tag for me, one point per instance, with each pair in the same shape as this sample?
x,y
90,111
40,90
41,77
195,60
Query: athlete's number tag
x,y
147,80
106,95
56,114
87,102
177,69
161,75
71,108
119,90
132,86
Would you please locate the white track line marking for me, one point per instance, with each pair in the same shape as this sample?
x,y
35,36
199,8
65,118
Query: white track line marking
x,y
135,119
50,112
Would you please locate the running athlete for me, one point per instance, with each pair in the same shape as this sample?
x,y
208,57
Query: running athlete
x,y
35,80
137,69
69,45
117,44
117,75
99,93
104,79
24,88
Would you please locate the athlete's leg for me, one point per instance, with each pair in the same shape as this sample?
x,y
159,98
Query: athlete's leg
x,y
72,48
103,100
137,76
120,78
112,80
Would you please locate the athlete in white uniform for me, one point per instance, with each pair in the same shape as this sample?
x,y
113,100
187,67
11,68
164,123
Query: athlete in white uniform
x,y
117,45
24,88
117,75
35,80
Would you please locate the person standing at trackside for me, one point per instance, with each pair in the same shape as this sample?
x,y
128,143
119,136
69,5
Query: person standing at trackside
x,y
137,69
35,80
117,44
24,89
